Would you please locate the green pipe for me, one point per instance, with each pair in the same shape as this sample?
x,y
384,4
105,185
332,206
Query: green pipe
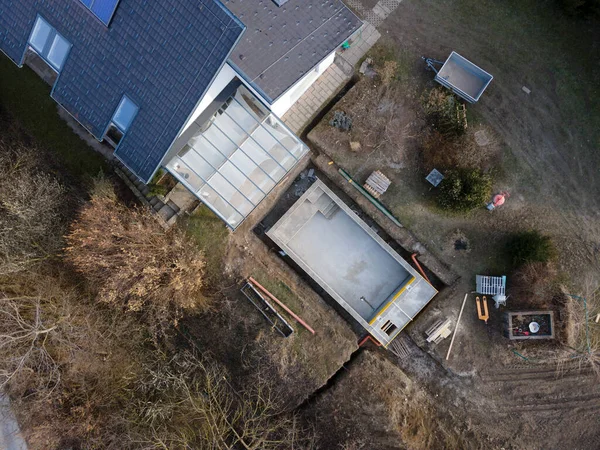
x,y
369,197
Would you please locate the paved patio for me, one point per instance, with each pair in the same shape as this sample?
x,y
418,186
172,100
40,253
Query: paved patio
x,y
336,76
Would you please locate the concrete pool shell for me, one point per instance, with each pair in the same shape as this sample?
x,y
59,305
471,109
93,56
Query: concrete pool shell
x,y
381,291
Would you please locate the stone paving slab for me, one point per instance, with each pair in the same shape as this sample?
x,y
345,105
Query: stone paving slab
x,y
338,74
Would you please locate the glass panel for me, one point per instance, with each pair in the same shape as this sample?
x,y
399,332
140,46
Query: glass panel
x,y
104,9
251,103
214,200
281,133
217,138
194,160
59,51
234,132
185,174
252,171
40,34
125,114
274,147
241,182
258,155
208,152
229,193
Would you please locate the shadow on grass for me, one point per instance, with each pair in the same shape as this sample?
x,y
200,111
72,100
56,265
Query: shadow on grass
x,y
26,97
211,236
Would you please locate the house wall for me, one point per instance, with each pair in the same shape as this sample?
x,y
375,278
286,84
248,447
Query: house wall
x,y
291,96
222,79
281,105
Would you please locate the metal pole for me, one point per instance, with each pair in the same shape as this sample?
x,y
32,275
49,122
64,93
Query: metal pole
x,y
456,328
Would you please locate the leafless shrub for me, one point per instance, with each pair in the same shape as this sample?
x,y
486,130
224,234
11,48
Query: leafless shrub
x,y
31,225
63,362
450,152
583,325
534,285
133,263
196,407
445,112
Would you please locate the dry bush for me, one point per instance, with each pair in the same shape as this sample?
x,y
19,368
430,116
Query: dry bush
x,y
463,152
534,285
584,329
389,71
194,406
64,363
81,376
445,111
31,225
132,262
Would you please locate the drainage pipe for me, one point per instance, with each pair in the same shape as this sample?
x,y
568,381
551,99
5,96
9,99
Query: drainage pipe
x,y
288,310
368,337
369,197
414,258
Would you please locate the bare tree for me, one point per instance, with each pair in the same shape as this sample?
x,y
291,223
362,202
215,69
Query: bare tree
x,y
132,262
197,407
31,225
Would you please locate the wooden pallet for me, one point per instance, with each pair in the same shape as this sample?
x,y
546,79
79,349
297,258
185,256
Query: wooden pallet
x,y
377,184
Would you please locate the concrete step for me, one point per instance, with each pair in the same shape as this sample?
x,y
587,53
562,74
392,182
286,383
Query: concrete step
x,y
158,206
145,190
153,201
173,206
166,212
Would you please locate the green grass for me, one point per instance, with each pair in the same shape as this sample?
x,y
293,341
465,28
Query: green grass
x,y
27,99
211,235
282,292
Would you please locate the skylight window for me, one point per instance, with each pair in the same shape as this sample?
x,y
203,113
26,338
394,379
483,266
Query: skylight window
x,y
49,44
121,121
102,9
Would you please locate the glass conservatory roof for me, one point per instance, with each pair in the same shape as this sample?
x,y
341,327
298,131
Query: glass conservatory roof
x,y
234,159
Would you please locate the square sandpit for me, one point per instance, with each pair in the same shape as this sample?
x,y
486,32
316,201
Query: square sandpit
x,y
381,291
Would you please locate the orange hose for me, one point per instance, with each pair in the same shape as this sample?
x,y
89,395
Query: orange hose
x,y
289,311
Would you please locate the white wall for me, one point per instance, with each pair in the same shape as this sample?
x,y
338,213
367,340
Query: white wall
x,y
291,96
222,79
282,104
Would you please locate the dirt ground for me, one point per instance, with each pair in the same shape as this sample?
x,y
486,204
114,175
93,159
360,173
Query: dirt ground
x,y
549,141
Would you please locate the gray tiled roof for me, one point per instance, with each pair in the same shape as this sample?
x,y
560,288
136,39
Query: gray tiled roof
x,y
282,43
163,54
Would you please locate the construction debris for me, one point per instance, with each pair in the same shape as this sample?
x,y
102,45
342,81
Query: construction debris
x,y
280,303
482,313
439,331
495,286
366,68
355,146
267,310
377,184
341,121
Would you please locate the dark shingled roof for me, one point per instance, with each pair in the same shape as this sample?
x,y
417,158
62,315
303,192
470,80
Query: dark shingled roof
x,y
163,54
282,43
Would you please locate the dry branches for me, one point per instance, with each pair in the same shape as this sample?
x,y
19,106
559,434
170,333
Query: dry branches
x,y
31,225
195,406
132,263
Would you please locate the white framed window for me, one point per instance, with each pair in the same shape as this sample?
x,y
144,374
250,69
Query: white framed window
x,y
49,44
121,120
